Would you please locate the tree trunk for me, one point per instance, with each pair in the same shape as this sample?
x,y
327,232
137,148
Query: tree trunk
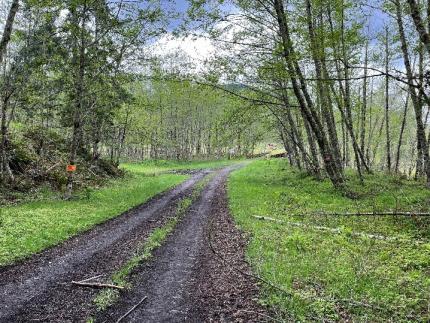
x,y
387,117
6,172
419,25
318,56
422,143
344,100
7,32
79,99
402,129
364,105
305,102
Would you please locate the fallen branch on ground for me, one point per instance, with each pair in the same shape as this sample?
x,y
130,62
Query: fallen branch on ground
x,y
261,314
375,213
91,278
131,310
339,231
52,167
96,285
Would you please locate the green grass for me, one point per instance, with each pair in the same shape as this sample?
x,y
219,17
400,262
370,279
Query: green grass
x,y
153,167
108,296
29,228
329,276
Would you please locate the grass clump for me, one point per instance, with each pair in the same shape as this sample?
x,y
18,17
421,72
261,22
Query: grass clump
x,y
29,228
335,276
108,296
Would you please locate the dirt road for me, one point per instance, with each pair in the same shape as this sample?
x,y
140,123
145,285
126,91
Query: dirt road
x,y
184,281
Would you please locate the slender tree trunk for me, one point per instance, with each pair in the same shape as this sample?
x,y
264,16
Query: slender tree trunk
x,y
364,105
380,132
419,24
422,143
4,156
344,100
79,99
318,56
7,31
122,136
311,162
97,129
6,172
402,129
387,117
371,128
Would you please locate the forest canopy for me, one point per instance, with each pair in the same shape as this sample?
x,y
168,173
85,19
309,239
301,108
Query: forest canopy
x,y
338,84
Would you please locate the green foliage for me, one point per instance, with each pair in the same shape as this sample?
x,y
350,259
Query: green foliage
x,y
183,120
328,275
38,159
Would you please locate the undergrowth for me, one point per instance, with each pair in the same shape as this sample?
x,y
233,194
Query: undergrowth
x,y
38,163
335,275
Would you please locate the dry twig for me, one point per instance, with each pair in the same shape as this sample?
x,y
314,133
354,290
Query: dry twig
x,y
96,285
131,309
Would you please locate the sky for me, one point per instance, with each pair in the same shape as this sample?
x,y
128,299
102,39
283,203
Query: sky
x,y
200,48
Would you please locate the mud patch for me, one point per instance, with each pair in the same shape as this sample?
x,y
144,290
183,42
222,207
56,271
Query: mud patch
x,y
223,292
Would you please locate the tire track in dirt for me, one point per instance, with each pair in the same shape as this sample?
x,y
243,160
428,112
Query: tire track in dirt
x,y
175,281
39,288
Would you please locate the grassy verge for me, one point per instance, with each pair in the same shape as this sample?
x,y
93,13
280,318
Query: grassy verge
x,y
108,297
326,275
32,227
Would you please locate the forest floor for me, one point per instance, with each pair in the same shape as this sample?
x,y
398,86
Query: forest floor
x,y
178,256
324,267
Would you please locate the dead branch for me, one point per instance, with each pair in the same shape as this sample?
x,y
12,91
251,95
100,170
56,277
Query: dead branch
x,y
376,213
262,314
96,285
339,231
131,309
240,271
268,283
52,167
91,278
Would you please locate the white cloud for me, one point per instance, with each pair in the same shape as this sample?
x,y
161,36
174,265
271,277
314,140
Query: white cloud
x,y
198,47
198,50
